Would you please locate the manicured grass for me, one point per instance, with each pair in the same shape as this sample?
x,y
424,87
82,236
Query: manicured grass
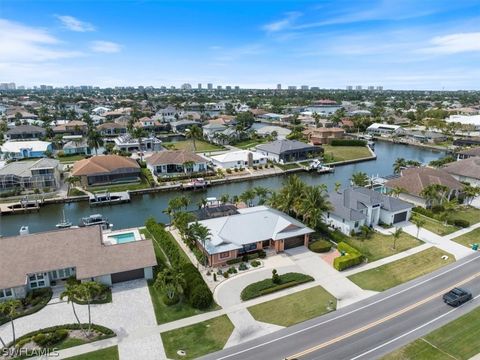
x,y
295,308
110,353
457,340
342,153
202,146
288,166
246,144
72,158
435,226
469,238
389,275
469,213
120,187
76,192
379,245
198,339
267,286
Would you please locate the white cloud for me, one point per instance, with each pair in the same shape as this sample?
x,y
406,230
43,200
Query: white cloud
x,y
74,24
108,47
283,23
21,43
454,43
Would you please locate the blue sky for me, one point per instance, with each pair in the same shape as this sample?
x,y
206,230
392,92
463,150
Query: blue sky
x,y
400,44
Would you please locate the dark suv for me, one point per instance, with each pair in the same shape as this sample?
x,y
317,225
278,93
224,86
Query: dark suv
x,y
457,296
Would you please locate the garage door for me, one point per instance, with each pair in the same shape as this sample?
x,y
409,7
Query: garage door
x,y
293,242
127,275
399,217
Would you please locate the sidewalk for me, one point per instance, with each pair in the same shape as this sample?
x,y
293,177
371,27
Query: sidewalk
x,y
462,231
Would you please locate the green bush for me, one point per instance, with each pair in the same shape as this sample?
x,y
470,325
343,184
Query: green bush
x,y
170,301
234,261
255,263
201,297
320,246
195,289
147,174
348,142
168,244
229,171
226,275
437,209
51,338
242,266
337,236
461,223
267,286
351,258
35,300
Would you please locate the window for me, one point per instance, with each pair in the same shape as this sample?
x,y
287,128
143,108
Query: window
x,y
225,255
4,293
37,280
356,224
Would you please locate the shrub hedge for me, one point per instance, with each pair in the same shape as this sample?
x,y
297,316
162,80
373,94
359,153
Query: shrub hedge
x,y
320,246
351,258
169,246
348,142
195,289
267,286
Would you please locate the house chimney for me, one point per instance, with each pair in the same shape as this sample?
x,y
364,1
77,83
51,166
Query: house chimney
x,y
250,159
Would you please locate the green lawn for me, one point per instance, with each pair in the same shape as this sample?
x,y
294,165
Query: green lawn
x,y
120,187
380,245
202,146
110,353
288,166
246,144
469,238
457,340
389,275
72,158
342,153
435,226
198,339
295,308
469,213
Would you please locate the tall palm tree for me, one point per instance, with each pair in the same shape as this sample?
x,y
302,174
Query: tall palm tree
x,y
396,191
398,165
71,294
419,222
313,205
184,201
94,139
292,192
9,309
470,193
262,193
224,198
88,291
139,134
188,166
195,132
337,186
247,196
359,178
396,236
202,234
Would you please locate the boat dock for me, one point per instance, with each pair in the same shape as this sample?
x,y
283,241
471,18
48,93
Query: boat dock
x,y
108,198
23,206
196,184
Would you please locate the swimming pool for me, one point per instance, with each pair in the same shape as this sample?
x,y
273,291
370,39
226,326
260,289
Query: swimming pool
x,y
123,238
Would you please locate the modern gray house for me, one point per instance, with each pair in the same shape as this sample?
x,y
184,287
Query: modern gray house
x,y
356,207
285,151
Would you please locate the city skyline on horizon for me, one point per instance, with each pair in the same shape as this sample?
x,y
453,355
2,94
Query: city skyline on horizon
x,y
433,45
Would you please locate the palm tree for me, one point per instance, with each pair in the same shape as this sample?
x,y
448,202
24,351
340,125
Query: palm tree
x,y
292,192
247,196
359,178
188,166
184,201
88,291
470,193
71,294
398,165
194,133
201,234
337,186
139,134
9,310
170,212
317,118
396,236
224,198
170,281
396,191
313,205
262,193
419,222
94,139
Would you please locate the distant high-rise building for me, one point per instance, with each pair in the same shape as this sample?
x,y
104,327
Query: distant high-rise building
x,y
219,87
279,86
7,86
199,86
210,86
228,87
371,88
315,88
21,87
237,88
304,87
186,86
358,87
292,87
379,88
172,87
349,87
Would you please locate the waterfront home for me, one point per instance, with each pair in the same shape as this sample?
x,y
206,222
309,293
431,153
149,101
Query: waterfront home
x,y
34,174
321,136
381,129
467,170
425,136
182,125
271,117
74,127
175,162
467,141
170,113
25,149
128,143
353,208
465,154
148,124
76,146
106,169
271,130
473,120
111,129
211,131
239,159
412,181
25,132
252,229
285,151
35,261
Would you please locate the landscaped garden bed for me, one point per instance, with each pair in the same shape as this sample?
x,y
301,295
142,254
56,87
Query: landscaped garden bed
x,y
274,284
58,338
35,300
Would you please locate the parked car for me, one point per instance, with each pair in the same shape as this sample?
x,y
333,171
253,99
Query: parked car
x,y
457,296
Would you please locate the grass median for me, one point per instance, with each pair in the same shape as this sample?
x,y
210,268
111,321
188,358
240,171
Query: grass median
x,y
267,286
395,273
110,353
472,237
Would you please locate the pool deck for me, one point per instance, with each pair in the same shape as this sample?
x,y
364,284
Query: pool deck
x,y
109,235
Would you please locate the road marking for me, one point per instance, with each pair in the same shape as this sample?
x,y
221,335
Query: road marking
x,y
408,333
381,321
349,312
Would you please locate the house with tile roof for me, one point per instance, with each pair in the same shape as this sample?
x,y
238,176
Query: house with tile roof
x,y
466,170
175,162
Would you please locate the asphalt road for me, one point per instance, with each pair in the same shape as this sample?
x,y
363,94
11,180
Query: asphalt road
x,y
373,327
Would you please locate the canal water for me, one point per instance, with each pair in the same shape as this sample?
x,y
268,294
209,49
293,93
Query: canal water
x,y
135,213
